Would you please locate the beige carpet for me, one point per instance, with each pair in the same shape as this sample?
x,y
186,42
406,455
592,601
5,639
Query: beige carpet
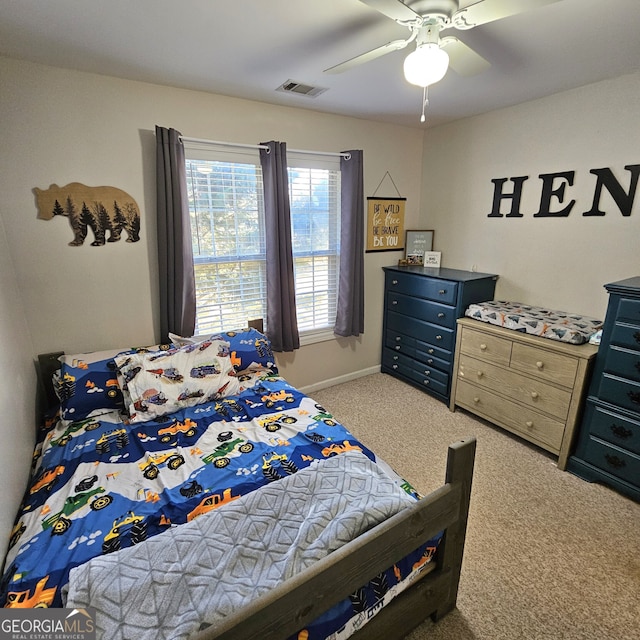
x,y
548,555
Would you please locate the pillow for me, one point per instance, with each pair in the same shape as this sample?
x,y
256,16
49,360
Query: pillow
x,y
155,384
249,349
87,383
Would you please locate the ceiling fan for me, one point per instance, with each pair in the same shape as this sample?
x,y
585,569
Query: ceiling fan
x,y
433,54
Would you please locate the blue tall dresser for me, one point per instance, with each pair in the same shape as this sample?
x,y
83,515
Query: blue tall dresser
x,y
421,306
608,448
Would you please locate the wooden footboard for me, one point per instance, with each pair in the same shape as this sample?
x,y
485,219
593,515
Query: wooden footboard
x,y
288,608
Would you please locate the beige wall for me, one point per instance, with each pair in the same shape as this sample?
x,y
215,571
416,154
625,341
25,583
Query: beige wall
x,y
64,126
561,263
17,394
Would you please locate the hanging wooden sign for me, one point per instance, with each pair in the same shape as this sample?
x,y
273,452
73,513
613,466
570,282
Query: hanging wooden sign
x,y
385,224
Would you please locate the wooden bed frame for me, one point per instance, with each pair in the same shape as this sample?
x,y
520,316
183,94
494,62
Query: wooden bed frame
x,y
293,604
288,608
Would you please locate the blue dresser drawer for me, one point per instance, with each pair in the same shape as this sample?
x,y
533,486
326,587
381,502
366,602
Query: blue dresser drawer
x,y
626,335
612,427
430,288
428,310
426,371
400,342
629,310
442,337
428,381
434,357
397,361
416,371
616,461
623,362
620,391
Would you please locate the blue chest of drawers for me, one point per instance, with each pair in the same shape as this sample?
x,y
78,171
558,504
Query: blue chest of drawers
x,y
608,448
421,306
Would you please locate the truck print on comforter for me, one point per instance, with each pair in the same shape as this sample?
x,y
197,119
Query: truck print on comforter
x,y
100,484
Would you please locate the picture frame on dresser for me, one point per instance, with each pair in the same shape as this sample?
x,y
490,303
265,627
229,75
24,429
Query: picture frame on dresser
x,y
432,258
417,244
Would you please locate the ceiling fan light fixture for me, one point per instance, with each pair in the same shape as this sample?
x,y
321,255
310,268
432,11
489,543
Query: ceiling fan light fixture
x,y
426,65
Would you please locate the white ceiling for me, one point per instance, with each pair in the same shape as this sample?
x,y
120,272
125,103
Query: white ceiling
x,y
247,48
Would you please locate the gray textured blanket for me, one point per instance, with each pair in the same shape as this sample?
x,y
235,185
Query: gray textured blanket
x,y
200,572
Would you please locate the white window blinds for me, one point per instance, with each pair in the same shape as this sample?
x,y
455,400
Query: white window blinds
x,y
227,221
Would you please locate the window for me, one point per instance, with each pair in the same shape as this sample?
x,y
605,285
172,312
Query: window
x,y
227,222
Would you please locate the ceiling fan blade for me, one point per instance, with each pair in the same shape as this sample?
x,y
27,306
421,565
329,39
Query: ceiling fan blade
x,y
393,9
396,45
462,58
490,10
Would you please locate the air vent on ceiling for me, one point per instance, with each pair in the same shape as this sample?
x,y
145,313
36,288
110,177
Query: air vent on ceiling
x,y
291,86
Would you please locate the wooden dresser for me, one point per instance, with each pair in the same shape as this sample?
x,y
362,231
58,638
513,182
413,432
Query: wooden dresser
x,y
421,306
608,447
531,386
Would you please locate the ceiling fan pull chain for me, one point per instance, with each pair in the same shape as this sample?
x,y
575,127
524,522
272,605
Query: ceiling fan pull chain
x,y
425,101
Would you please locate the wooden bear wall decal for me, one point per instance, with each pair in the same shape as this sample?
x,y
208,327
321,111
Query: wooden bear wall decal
x,y
100,209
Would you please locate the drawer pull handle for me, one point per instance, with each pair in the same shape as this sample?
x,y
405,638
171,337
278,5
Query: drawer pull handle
x,y
540,364
636,336
443,291
483,347
394,282
634,396
476,399
425,381
480,374
534,394
438,337
529,423
430,351
620,432
398,338
427,372
395,357
430,361
614,461
394,302
395,366
441,315
397,347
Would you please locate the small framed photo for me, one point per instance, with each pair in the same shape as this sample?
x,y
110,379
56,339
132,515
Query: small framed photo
x,y
432,258
417,243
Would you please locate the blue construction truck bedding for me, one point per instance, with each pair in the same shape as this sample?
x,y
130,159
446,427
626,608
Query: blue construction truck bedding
x,y
151,443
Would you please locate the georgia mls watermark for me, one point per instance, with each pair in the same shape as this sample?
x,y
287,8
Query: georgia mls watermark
x,y
47,624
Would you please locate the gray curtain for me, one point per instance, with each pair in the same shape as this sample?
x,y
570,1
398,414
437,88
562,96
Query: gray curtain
x,y
175,252
282,321
350,312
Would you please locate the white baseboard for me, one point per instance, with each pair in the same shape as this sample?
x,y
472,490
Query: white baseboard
x,y
330,382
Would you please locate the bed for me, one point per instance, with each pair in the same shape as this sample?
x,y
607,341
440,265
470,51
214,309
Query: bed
x,y
188,490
